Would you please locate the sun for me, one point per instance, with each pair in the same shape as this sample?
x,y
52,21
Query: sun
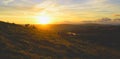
x,y
44,19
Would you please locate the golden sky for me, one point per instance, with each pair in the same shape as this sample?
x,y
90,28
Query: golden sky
x,y
59,11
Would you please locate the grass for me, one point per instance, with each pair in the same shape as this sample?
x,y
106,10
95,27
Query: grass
x,y
33,42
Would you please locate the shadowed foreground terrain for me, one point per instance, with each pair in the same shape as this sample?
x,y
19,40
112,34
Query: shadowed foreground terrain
x,y
88,41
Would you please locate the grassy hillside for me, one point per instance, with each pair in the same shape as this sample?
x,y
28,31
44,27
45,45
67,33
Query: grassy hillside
x,y
59,41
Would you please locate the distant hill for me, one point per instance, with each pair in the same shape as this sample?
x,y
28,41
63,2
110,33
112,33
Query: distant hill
x,y
31,42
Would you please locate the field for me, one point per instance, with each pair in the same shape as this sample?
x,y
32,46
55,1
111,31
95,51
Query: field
x,y
63,41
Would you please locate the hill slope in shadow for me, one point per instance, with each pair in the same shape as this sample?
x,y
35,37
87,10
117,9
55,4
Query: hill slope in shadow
x,y
61,42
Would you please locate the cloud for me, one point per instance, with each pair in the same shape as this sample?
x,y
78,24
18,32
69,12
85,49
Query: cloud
x,y
28,1
7,1
89,21
101,20
117,19
108,21
116,15
67,22
105,19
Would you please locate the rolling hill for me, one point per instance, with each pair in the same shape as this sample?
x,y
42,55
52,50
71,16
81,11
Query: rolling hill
x,y
59,41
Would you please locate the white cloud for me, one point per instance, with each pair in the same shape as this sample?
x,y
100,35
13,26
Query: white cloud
x,y
7,1
28,1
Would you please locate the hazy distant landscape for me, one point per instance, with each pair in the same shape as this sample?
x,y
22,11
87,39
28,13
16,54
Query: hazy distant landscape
x,y
63,41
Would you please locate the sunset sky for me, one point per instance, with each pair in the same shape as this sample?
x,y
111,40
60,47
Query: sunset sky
x,y
59,11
